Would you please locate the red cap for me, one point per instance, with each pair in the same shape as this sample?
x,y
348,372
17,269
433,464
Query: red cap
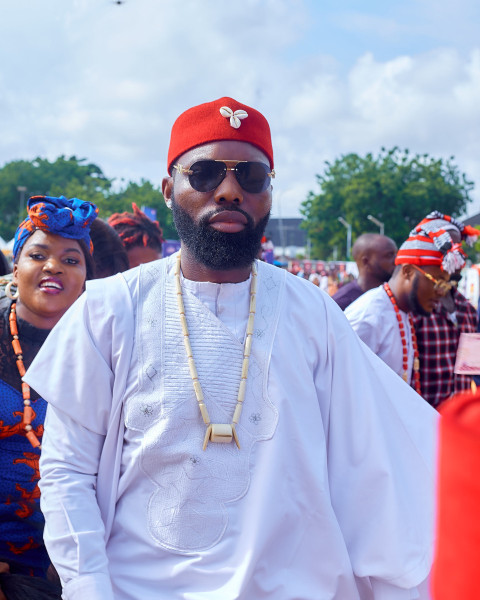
x,y
223,119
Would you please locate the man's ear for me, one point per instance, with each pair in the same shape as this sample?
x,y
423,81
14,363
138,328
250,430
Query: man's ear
x,y
408,272
14,273
167,190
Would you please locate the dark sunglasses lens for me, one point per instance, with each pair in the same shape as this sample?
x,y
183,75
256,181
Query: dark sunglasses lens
x,y
206,175
253,176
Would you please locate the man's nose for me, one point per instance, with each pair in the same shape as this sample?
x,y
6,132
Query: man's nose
x,y
229,190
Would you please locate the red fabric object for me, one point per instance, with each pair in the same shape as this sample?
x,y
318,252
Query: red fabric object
x,y
205,123
419,249
466,231
456,566
431,248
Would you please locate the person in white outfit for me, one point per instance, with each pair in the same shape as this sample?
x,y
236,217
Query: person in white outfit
x,y
215,428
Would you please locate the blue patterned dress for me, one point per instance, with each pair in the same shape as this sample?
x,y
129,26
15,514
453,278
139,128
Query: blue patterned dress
x,y
21,522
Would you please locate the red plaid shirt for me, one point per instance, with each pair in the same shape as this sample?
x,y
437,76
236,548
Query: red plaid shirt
x,y
438,336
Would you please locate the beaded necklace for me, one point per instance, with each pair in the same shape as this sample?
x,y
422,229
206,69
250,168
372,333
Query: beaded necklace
x,y
416,360
27,409
218,432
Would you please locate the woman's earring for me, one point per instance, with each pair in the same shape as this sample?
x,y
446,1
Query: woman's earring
x,y
8,291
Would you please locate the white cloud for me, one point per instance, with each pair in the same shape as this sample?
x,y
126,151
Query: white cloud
x,y
106,82
427,103
356,22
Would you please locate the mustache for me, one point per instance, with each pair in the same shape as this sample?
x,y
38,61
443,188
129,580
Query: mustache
x,y
206,218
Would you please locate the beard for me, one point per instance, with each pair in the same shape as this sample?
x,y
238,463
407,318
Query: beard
x,y
413,303
382,275
218,250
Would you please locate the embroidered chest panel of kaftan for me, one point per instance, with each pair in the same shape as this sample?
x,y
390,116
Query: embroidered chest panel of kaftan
x,y
191,487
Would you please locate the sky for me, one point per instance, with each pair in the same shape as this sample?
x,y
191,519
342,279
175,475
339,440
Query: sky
x,y
105,81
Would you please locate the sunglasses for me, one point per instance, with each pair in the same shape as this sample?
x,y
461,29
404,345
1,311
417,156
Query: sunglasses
x,y
206,175
441,286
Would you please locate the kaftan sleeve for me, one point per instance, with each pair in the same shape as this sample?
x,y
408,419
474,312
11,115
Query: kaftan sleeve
x,y
74,529
365,324
381,445
77,371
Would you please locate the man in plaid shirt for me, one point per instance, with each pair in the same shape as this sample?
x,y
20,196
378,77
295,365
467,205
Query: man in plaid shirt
x,y
437,337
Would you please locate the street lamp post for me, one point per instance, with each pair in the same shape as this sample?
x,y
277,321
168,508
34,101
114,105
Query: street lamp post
x,y
281,229
348,227
21,189
377,223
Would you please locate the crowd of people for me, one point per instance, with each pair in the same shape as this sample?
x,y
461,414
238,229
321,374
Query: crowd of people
x,y
329,277
217,428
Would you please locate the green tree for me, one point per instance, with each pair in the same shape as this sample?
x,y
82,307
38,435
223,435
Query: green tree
x,y
71,177
395,187
74,178
143,194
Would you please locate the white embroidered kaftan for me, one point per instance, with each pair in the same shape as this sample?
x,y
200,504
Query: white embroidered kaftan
x,y
374,319
330,496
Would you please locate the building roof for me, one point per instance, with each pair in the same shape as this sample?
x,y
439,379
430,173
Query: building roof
x,y
286,232
473,220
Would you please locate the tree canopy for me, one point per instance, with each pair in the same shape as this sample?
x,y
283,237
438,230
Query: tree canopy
x,y
143,194
395,187
72,177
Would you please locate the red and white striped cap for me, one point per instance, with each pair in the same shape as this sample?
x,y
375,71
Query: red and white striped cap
x,y
430,243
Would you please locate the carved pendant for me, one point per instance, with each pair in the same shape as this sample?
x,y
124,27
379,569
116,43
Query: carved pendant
x,y
220,433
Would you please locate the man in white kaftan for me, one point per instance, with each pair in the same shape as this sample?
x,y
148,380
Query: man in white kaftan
x,y
330,494
424,264
374,319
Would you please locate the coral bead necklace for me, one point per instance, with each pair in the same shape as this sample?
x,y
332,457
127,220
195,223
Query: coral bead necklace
x,y
416,360
27,408
218,432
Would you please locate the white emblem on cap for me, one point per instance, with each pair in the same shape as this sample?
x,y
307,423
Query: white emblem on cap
x,y
235,117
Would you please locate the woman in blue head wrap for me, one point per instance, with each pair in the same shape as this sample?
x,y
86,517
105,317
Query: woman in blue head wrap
x,y
52,260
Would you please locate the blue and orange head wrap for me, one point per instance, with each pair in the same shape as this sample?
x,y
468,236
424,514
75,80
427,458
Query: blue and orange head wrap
x,y
60,216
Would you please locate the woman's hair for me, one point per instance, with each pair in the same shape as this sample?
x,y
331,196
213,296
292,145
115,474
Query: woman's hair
x,y
23,587
4,264
89,263
109,253
136,229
